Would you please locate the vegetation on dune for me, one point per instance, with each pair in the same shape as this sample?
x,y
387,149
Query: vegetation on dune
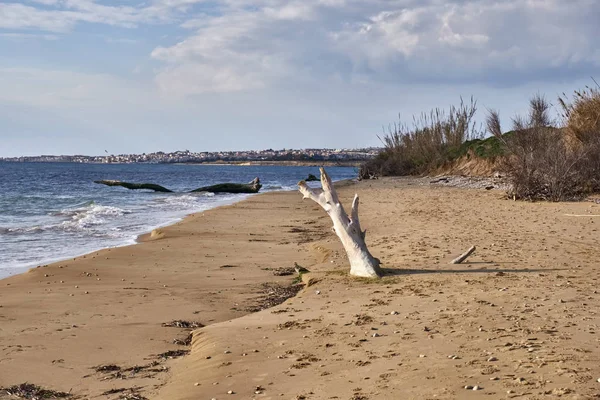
x,y
582,114
426,145
489,148
542,158
546,159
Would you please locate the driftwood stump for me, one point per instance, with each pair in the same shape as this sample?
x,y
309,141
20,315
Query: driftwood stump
x,y
362,263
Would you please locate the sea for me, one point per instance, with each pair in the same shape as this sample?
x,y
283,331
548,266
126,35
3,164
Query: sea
x,y
54,211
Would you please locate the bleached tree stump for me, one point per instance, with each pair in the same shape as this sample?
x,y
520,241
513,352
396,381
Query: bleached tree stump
x,y
362,263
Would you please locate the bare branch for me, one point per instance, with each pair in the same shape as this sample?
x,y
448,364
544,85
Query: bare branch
x,y
463,256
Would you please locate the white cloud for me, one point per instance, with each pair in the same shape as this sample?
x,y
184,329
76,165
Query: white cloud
x,y
292,11
226,53
19,16
45,2
28,36
121,40
191,78
57,88
64,15
474,39
395,40
237,45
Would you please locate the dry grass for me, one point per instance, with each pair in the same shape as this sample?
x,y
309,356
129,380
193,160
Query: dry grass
x,y
582,114
545,160
582,127
542,157
426,145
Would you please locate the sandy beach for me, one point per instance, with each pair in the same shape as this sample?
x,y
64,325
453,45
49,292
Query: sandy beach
x,y
520,319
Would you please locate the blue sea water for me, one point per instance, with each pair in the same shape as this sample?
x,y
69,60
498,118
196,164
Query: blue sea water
x,y
54,211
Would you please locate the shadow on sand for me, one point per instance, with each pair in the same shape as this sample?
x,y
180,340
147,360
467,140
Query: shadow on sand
x,y
452,269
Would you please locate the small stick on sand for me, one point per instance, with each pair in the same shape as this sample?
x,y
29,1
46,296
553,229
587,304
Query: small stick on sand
x,y
463,256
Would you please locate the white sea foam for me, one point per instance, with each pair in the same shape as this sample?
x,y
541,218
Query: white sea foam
x,y
92,215
180,201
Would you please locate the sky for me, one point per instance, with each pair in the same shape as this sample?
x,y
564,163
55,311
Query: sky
x,y
134,76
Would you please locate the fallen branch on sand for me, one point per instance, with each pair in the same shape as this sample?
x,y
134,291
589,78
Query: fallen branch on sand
x,y
251,187
463,256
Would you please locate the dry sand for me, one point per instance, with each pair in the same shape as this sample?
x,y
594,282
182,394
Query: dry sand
x,y
518,320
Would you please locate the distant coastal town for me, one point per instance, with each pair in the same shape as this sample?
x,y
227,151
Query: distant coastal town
x,y
341,156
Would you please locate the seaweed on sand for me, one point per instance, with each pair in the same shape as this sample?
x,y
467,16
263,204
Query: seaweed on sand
x,y
183,324
274,294
284,271
33,392
112,371
174,354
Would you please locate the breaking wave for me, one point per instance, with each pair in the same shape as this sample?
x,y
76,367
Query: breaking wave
x,y
90,216
83,217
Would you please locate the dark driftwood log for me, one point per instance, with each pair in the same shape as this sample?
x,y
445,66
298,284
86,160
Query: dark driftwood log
x,y
252,187
133,186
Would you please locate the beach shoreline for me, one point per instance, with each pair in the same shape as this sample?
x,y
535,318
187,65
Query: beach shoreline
x,y
354,163
53,294
12,271
106,309
126,242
